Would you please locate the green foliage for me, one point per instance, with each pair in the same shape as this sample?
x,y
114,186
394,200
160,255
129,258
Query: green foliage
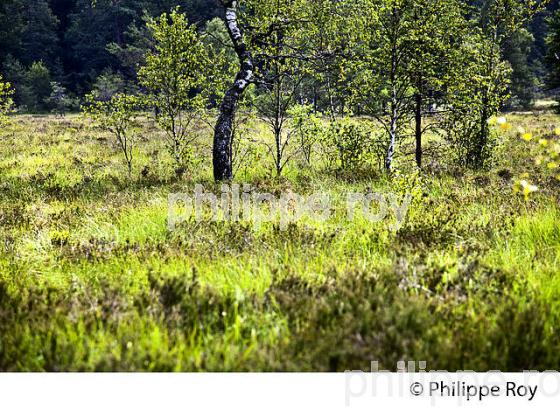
x,y
33,84
132,53
308,128
409,184
92,27
174,75
39,38
6,102
107,85
383,86
245,151
517,50
476,92
38,79
330,39
498,21
354,144
224,60
410,64
11,24
79,39
276,39
553,52
119,116
59,101
501,18
550,153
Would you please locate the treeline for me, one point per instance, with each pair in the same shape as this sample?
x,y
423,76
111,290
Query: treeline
x,y
74,42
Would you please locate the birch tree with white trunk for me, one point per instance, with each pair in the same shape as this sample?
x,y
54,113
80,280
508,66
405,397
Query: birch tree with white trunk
x,y
223,131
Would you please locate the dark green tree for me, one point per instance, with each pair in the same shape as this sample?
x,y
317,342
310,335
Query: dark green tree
x,y
517,51
59,101
108,84
553,54
38,82
11,27
32,85
39,38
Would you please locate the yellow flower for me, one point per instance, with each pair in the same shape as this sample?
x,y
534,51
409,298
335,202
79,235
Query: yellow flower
x,y
543,142
557,131
527,136
505,126
528,188
552,165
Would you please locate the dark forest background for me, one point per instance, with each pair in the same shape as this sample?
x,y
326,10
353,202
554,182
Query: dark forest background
x,y
74,46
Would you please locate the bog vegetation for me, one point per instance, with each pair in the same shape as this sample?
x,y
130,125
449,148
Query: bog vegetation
x,y
401,96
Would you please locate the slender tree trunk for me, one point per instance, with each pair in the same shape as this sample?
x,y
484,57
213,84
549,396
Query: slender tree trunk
x,y
418,127
394,104
278,148
332,109
394,111
223,130
315,98
485,115
484,134
278,137
278,125
392,134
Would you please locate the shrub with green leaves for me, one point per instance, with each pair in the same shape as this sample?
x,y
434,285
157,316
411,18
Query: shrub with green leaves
x,y
6,102
473,96
37,89
118,116
308,127
59,99
353,144
107,84
174,75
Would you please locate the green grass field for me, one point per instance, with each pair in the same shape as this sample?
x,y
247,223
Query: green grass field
x,y
92,279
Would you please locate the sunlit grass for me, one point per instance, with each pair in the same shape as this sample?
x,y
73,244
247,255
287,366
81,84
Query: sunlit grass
x,y
91,278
